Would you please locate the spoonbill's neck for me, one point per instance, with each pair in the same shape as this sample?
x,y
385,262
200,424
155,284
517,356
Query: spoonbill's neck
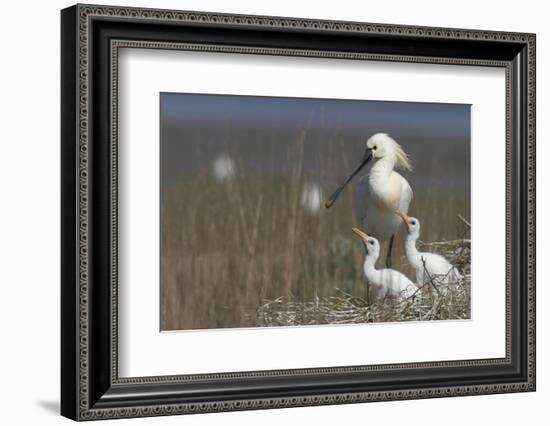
x,y
410,249
381,170
371,273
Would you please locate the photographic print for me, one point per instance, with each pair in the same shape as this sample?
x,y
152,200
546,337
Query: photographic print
x,y
279,211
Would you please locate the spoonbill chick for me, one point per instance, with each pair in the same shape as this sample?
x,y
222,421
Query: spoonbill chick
x,y
386,282
428,266
382,191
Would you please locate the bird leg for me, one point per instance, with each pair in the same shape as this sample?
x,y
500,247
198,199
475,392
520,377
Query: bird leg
x,y
388,256
368,294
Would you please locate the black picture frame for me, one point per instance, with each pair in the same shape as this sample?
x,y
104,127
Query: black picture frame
x,y
90,386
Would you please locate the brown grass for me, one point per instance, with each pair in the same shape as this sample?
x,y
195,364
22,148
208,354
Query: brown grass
x,y
230,249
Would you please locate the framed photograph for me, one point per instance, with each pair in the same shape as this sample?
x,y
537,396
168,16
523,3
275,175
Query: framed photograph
x,y
263,212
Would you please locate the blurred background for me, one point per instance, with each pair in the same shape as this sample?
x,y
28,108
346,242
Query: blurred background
x,y
243,183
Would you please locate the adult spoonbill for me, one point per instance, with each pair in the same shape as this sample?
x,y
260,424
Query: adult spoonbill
x,y
382,191
386,282
428,266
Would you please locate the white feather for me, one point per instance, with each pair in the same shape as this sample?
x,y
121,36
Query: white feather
x,y
375,204
383,191
428,266
386,282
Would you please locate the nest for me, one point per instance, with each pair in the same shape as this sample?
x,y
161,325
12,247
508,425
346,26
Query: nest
x,y
434,301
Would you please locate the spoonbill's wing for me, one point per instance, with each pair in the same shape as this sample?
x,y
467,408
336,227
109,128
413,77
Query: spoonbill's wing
x,y
438,268
396,283
406,196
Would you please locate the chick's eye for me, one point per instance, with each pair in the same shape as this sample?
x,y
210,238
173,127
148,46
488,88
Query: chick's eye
x,y
374,147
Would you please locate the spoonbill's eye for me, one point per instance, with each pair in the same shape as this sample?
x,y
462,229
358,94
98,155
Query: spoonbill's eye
x,y
371,242
413,222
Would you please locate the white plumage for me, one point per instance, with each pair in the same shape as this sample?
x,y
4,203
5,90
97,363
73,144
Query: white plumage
x,y
377,196
428,266
382,191
386,282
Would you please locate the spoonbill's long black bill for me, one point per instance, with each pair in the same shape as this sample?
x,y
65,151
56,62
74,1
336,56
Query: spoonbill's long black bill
x,y
366,158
